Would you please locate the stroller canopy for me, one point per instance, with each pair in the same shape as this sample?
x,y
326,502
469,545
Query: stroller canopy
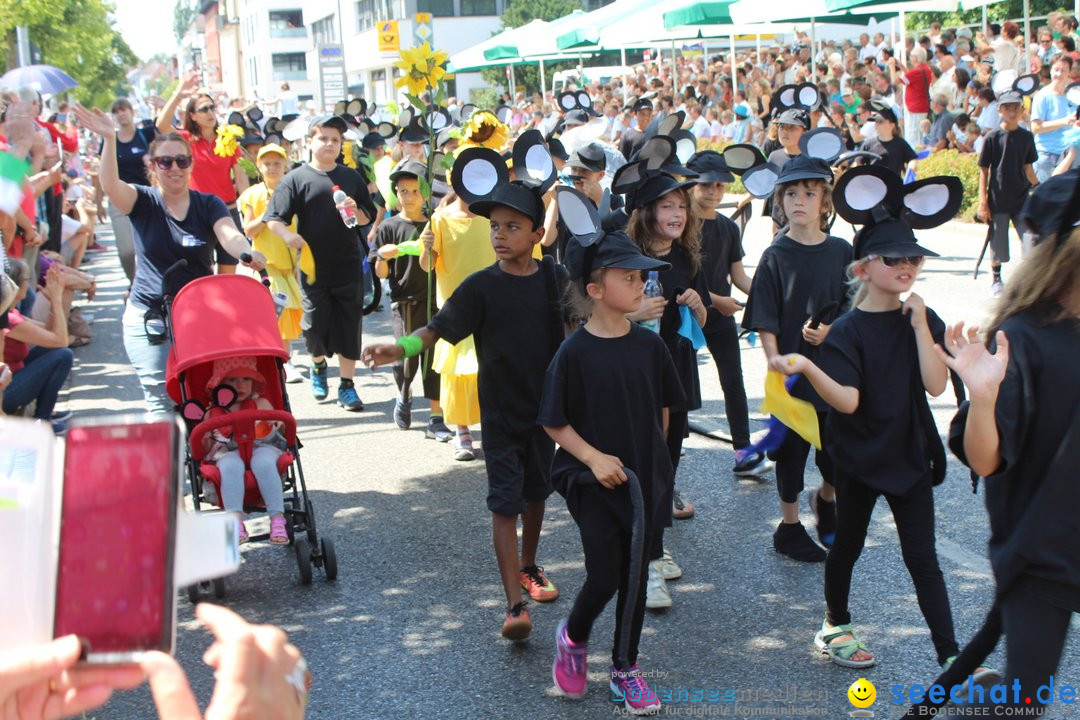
x,y
221,316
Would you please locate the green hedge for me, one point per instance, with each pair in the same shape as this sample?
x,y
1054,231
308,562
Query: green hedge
x,y
963,165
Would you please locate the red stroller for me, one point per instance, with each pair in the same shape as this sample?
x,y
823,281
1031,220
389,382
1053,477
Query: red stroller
x,y
225,316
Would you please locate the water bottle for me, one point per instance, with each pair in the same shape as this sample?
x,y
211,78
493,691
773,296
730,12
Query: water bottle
x,y
653,289
369,281
348,216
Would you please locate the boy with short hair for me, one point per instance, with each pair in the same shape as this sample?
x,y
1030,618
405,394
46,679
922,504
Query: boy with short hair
x,y
894,150
333,301
412,300
1006,173
510,308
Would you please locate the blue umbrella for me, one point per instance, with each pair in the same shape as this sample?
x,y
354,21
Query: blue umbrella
x,y
46,79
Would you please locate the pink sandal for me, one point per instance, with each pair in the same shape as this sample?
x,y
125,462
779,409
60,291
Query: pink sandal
x,y
278,534
241,533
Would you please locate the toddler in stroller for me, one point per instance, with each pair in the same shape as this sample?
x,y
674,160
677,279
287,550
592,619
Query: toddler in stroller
x,y
242,375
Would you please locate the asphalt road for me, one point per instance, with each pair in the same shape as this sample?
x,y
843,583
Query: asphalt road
x,y
411,626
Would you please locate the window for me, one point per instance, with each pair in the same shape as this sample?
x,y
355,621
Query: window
x,y
477,7
443,8
324,32
287,23
369,12
289,66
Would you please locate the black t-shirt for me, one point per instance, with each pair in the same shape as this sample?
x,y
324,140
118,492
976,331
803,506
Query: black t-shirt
x,y
308,195
1033,498
632,140
161,240
130,156
681,277
408,281
1007,153
613,392
509,317
721,247
894,153
882,443
791,283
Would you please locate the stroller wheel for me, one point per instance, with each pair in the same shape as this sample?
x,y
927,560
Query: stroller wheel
x,y
193,593
219,588
303,559
329,558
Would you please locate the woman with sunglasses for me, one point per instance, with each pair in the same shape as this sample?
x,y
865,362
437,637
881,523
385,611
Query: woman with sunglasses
x,y
172,222
211,173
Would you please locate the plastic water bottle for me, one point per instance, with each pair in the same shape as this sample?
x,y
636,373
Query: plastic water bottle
x,y
653,289
348,216
369,281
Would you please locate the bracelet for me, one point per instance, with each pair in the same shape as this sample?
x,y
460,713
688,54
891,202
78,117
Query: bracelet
x,y
411,344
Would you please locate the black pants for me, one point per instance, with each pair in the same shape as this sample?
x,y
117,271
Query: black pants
x,y
1035,614
791,463
914,516
407,317
678,425
604,520
54,208
723,343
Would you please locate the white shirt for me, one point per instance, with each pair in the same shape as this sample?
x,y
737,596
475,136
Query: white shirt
x,y
868,51
700,128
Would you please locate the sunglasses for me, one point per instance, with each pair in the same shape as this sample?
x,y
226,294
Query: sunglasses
x,y
204,108
892,262
165,162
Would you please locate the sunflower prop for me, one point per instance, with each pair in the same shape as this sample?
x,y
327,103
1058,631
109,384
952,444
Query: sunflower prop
x,y
423,68
228,140
484,130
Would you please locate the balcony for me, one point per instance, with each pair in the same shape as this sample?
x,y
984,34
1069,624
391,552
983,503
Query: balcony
x,y
289,75
288,32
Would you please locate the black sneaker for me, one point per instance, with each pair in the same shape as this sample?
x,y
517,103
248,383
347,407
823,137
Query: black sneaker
x,y
436,430
791,539
403,413
825,512
752,465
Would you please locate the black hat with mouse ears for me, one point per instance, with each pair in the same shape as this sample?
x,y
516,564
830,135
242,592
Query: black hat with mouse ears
x,y
672,126
652,173
480,177
792,104
1011,87
576,100
819,148
590,248
874,197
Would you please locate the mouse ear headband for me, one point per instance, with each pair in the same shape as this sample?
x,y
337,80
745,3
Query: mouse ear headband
x,y
873,196
575,100
819,147
1009,87
480,177
654,170
804,96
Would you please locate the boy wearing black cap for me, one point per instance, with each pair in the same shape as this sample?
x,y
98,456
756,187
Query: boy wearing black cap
x,y
634,136
1006,173
512,310
585,170
798,279
721,260
790,126
894,150
333,300
412,301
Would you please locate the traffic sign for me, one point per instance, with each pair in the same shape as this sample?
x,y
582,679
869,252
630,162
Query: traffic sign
x,y
423,32
389,39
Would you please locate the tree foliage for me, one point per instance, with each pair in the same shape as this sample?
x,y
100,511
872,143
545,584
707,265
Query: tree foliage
x,y
184,12
76,36
997,12
521,12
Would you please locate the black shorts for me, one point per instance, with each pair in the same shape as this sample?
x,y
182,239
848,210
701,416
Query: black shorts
x,y
220,254
333,318
518,470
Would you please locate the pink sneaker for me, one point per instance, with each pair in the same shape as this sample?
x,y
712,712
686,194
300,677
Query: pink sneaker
x,y
636,694
278,534
569,670
241,532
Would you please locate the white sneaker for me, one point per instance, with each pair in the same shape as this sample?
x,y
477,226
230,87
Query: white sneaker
x,y
996,288
292,374
668,567
656,592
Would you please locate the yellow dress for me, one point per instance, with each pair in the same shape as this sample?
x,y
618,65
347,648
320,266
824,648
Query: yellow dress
x,y
281,260
463,246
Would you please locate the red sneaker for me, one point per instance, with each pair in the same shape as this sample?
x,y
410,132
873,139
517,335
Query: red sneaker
x,y
534,582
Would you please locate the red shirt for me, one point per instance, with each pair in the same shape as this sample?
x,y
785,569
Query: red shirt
x,y
917,92
211,173
15,351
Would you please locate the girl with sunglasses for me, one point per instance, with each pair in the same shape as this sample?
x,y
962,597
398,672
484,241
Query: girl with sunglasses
x,y
172,223
212,173
874,370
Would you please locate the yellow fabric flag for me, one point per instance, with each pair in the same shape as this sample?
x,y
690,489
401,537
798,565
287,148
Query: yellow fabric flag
x,y
799,415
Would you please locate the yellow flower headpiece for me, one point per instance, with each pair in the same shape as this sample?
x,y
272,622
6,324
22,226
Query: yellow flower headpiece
x,y
227,142
484,130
